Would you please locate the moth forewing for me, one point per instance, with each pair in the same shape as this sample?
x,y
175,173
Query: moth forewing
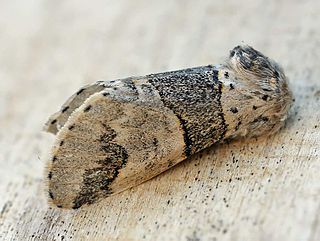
x,y
57,120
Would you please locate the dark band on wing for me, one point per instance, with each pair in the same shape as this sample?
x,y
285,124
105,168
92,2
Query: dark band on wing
x,y
194,96
96,181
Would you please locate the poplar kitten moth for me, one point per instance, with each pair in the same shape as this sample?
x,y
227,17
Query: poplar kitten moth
x,y
113,135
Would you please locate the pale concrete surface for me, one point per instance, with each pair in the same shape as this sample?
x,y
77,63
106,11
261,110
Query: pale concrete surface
x,y
265,189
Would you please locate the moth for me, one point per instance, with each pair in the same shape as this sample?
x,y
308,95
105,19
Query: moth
x,y
114,135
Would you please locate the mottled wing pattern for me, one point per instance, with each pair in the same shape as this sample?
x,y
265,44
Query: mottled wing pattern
x,y
131,131
110,144
114,135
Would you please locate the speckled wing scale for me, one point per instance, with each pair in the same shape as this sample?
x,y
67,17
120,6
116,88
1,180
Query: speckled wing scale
x,y
194,97
113,135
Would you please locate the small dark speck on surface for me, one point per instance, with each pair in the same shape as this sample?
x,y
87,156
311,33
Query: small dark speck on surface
x,y
265,97
65,109
234,110
71,127
51,195
80,91
87,108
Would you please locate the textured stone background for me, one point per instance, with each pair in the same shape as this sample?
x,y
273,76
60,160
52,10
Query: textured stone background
x,y
265,189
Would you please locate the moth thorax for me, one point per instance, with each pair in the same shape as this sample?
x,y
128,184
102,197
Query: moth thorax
x,y
259,101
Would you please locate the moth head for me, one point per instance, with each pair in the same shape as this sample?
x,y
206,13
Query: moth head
x,y
265,88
